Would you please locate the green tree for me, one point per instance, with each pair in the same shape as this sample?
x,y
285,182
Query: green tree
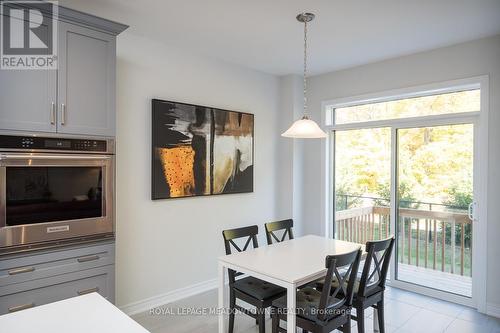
x,y
460,196
345,197
405,195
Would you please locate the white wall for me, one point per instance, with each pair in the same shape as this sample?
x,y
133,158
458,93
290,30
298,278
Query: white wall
x,y
165,245
460,61
289,154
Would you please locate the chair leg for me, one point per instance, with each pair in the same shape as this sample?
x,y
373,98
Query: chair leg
x,y
360,320
380,312
232,304
262,320
275,322
347,326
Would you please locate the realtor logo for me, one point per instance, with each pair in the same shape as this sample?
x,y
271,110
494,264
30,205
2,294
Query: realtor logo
x,y
28,35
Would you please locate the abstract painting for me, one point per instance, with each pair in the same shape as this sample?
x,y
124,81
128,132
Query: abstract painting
x,y
199,150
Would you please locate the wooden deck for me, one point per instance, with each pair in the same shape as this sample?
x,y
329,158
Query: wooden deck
x,y
454,283
422,235
426,238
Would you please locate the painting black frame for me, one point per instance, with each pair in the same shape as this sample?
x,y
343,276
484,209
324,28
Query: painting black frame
x,y
153,173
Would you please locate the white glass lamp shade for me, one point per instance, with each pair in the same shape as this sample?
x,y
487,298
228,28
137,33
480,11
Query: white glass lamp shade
x,y
304,128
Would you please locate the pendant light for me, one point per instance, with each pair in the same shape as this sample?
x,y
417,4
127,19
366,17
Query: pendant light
x,y
305,128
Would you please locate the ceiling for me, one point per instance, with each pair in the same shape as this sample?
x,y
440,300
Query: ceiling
x,y
264,35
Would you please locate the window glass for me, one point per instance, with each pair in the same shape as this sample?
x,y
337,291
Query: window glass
x,y
455,102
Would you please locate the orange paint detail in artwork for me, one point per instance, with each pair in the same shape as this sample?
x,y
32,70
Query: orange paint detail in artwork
x,y
178,165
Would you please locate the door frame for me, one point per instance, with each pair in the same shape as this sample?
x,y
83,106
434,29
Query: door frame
x,y
480,121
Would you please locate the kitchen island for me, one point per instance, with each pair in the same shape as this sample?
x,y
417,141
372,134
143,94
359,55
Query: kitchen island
x,y
82,314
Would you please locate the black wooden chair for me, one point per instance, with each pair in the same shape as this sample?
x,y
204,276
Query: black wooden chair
x,y
326,310
248,289
273,227
369,288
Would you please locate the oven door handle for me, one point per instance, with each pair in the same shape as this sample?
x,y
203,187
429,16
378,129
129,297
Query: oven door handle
x,y
4,157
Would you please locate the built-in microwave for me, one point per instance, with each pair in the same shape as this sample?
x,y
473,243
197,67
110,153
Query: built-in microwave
x,y
54,189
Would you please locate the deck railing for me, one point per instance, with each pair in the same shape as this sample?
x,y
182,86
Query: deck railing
x,y
438,240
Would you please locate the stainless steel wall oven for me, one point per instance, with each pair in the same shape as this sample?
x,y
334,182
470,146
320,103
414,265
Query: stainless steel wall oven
x,y
54,189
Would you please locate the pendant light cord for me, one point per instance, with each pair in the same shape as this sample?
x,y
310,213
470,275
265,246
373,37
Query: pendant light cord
x,y
305,69
305,128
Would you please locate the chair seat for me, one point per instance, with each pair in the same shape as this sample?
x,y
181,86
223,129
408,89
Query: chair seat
x,y
257,288
307,304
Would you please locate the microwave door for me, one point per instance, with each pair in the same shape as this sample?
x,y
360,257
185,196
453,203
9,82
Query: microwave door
x,y
47,197
2,196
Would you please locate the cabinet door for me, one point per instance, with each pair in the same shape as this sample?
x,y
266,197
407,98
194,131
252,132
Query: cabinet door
x,y
28,100
86,81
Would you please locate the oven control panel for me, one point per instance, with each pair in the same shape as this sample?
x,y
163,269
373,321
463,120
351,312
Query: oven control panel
x,y
47,143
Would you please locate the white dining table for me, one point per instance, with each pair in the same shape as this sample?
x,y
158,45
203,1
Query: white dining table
x,y
288,264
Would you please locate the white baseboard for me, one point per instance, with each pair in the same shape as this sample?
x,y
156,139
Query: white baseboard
x,y
169,297
493,310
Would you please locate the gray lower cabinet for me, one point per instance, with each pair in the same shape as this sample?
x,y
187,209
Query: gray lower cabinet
x,y
38,278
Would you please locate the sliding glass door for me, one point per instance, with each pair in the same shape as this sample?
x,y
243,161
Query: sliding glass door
x,y
405,168
434,193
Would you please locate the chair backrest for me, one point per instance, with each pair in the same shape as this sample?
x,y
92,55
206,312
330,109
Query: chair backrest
x,y
376,265
341,268
272,227
250,237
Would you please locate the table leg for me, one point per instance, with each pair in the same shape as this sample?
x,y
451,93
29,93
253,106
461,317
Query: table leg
x,y
291,301
375,321
222,297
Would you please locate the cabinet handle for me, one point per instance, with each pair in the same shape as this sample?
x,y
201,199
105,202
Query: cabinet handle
x,y
53,114
21,270
63,114
89,258
21,307
88,291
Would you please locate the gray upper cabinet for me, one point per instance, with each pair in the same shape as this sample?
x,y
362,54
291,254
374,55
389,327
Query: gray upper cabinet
x,y
86,81
28,100
77,98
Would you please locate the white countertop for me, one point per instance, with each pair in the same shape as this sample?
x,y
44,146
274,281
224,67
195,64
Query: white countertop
x,y
82,314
